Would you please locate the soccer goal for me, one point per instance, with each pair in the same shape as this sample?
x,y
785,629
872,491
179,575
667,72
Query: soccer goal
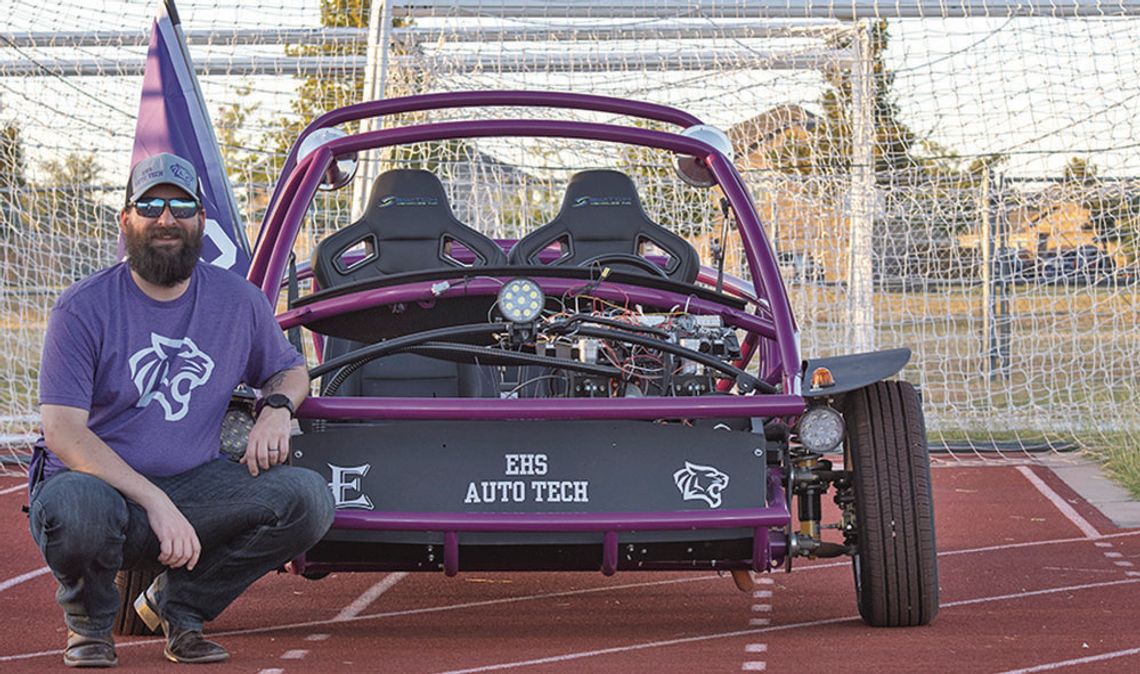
x,y
960,178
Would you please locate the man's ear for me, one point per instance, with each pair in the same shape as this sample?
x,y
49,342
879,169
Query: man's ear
x,y
123,215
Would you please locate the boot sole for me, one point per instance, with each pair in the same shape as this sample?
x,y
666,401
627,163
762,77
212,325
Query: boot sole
x,y
101,663
147,609
216,657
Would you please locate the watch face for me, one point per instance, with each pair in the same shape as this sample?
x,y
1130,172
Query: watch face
x,y
278,400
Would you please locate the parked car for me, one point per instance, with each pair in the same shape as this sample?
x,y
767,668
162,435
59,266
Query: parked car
x,y
1085,264
567,401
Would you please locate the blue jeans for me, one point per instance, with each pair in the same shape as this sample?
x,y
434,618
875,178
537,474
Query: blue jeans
x,y
247,526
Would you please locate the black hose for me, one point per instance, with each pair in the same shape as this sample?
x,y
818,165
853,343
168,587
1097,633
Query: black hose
x,y
512,357
354,360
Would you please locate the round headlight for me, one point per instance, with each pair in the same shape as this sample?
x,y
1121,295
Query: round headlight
x,y
521,300
821,429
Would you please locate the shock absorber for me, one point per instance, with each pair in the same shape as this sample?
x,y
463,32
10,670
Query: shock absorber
x,y
808,489
811,476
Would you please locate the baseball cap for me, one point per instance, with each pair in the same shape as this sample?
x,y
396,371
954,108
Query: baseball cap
x,y
162,169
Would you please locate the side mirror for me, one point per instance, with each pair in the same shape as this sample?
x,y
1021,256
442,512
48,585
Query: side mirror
x,y
343,168
693,169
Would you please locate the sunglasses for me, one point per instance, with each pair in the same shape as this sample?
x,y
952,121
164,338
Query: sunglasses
x,y
179,208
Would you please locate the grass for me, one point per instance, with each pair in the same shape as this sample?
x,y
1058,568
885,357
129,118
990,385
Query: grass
x,y
1119,454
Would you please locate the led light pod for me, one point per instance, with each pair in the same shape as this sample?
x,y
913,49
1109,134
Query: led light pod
x,y
521,300
820,429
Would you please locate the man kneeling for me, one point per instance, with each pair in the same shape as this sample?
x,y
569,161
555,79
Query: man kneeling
x,y
139,364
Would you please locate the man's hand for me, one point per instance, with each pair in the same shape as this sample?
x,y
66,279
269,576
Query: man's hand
x,y
269,437
178,542
268,440
66,433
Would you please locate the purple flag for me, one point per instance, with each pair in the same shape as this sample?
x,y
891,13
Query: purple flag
x,y
173,118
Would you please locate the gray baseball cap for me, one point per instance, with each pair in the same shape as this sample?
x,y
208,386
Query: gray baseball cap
x,y
162,169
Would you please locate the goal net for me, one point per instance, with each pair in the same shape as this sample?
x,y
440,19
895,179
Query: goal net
x,y
957,178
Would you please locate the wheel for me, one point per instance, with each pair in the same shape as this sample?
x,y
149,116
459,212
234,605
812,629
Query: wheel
x,y
131,584
895,560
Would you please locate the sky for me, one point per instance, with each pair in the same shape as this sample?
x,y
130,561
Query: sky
x,y
1039,90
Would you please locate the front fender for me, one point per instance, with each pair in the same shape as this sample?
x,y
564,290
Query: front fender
x,y
854,371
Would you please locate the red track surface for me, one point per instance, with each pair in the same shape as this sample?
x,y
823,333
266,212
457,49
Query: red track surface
x,y
1023,587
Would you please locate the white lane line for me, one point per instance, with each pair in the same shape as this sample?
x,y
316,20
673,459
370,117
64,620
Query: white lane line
x,y
761,608
779,628
758,622
754,666
298,654
1124,564
1101,544
1133,573
317,637
13,582
988,548
1114,555
756,648
18,487
765,580
271,670
762,594
1060,503
492,602
1049,666
370,595
1030,544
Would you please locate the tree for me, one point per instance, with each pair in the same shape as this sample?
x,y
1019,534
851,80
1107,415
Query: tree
x,y
67,204
13,178
256,163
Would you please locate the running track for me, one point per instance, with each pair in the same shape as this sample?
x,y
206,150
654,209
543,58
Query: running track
x,y
1033,579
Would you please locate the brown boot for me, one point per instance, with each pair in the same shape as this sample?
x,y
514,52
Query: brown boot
x,y
186,646
189,646
84,651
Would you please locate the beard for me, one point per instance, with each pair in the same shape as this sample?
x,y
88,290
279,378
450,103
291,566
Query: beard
x,y
157,264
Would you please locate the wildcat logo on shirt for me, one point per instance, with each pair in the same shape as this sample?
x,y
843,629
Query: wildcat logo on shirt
x,y
168,371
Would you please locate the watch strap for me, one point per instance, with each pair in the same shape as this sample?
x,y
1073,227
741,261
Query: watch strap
x,y
277,401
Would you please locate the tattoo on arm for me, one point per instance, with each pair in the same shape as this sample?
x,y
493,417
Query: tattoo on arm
x,y
273,383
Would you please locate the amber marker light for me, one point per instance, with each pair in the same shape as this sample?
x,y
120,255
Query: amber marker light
x,y
821,377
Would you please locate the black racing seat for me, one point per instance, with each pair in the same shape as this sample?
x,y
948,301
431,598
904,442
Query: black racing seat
x,y
407,226
601,215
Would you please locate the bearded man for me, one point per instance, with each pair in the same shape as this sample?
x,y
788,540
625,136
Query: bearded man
x,y
139,364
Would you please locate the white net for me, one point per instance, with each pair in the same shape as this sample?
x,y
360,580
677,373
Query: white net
x,y
962,182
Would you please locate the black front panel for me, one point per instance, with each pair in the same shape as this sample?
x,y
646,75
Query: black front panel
x,y
536,466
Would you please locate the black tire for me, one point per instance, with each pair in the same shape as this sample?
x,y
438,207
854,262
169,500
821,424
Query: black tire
x,y
131,584
896,559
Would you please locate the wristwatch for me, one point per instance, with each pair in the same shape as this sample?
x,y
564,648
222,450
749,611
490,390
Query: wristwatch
x,y
275,400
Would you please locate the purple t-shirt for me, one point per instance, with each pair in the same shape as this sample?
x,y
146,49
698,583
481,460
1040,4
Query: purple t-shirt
x,y
157,376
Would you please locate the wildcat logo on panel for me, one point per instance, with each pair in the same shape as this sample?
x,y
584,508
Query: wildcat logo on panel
x,y
167,372
701,483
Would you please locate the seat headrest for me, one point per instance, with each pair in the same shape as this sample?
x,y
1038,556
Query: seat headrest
x,y
601,214
407,226
409,198
602,202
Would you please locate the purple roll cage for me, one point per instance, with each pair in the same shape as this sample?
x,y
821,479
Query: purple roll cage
x,y
770,329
